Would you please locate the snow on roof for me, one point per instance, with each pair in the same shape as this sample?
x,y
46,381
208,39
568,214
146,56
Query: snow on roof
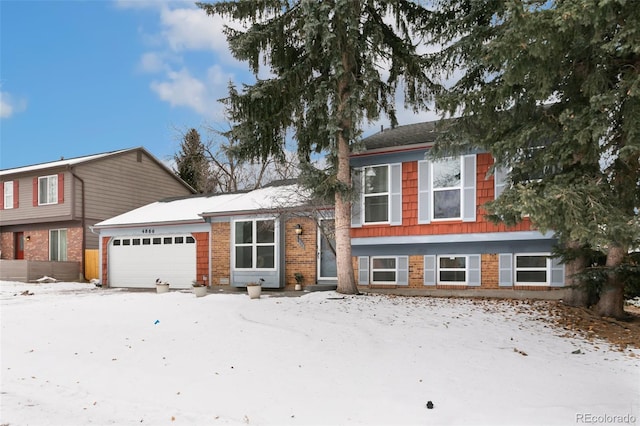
x,y
59,163
193,209
268,198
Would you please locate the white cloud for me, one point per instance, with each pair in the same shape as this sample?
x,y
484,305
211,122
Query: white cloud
x,y
181,88
151,62
192,29
10,105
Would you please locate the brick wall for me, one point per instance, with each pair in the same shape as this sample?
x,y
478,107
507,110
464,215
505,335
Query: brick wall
x,y
489,265
7,245
74,245
300,251
416,271
220,253
37,247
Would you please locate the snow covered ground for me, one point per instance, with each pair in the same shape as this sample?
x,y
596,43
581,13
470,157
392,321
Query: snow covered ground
x,y
73,354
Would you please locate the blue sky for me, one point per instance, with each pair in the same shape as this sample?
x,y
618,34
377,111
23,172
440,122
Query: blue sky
x,y
83,77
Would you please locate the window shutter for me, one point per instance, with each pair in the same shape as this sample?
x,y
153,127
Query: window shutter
x,y
557,273
396,194
356,199
363,270
499,181
60,188
35,192
2,195
424,195
469,188
16,194
403,270
474,271
430,270
505,270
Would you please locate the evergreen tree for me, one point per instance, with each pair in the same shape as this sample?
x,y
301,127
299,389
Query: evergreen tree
x,y
552,90
192,165
327,59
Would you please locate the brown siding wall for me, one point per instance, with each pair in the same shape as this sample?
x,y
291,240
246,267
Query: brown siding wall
x,y
117,184
26,210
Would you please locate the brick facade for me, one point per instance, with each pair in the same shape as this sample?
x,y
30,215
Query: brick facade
x,y
220,253
7,245
36,244
301,251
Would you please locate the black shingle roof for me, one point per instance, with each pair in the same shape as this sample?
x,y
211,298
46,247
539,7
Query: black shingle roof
x,y
409,134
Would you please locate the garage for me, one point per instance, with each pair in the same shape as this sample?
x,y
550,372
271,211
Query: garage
x,y
137,261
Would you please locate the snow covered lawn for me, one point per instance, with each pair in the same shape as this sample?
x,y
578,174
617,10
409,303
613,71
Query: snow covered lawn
x,y
73,354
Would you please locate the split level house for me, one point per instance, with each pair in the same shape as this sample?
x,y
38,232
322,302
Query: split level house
x,y
47,210
420,223
416,224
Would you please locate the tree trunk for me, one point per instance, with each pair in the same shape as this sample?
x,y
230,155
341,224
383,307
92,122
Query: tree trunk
x,y
611,303
346,278
578,294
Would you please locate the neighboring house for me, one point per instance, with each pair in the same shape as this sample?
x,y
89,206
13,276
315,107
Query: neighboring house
x,y
46,209
225,239
420,224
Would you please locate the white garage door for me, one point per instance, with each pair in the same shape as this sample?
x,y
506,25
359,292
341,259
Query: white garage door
x,y
139,261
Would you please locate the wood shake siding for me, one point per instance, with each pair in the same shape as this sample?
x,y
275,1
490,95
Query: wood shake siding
x,y
202,257
410,225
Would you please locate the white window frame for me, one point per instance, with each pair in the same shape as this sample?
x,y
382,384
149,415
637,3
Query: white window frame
x,y
440,269
255,244
546,268
62,248
52,190
394,270
376,194
459,187
8,195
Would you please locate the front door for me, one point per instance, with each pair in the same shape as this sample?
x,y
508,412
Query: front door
x,y
19,245
327,269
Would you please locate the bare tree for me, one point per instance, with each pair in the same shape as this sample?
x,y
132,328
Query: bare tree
x,y
229,173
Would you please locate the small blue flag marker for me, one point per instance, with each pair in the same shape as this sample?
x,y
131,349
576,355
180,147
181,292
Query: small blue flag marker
x,y
157,322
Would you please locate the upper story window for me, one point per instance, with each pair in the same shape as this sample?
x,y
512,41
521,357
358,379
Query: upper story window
x,y
446,178
447,189
48,190
254,244
8,195
376,194
379,188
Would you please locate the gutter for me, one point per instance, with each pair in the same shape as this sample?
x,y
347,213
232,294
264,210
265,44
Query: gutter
x,y
82,221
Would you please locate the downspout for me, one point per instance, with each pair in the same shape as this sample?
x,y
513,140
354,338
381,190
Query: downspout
x,y
83,223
